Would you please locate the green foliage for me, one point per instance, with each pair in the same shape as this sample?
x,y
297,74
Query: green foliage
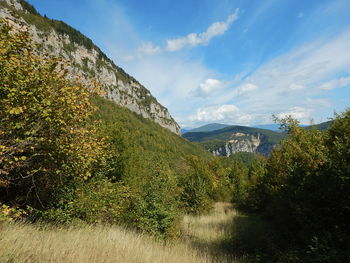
x,y
203,182
159,207
197,186
152,141
95,201
45,137
305,191
246,158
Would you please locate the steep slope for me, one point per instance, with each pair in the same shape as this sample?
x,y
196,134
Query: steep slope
x,y
233,139
144,139
56,38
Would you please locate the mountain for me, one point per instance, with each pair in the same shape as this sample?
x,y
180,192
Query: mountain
x,y
55,38
233,139
321,126
272,127
184,130
209,127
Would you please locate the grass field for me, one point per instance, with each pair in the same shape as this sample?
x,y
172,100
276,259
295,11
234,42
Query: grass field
x,y
200,241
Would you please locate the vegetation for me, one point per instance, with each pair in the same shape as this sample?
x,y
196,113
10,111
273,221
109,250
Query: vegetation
x,y
75,159
66,161
201,236
45,138
304,193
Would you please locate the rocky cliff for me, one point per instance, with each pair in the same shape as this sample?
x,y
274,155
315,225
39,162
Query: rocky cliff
x,y
243,142
56,38
233,139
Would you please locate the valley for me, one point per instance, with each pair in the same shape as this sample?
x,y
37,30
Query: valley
x,y
94,169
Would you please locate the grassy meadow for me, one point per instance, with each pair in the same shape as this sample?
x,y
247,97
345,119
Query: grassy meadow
x,y
200,241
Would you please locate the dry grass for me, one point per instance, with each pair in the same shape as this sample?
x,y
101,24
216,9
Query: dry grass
x,y
210,233
33,243
215,226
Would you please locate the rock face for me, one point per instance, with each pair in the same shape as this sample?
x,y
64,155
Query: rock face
x,y
58,39
244,142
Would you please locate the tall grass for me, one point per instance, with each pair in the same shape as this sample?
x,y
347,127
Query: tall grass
x,y
200,241
26,243
211,233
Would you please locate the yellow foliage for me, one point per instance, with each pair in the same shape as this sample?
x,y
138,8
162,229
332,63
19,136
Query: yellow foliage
x,y
45,132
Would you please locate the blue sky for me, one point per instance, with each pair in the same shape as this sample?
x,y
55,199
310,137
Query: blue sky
x,y
226,61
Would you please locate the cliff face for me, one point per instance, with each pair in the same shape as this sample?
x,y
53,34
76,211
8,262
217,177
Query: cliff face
x,y
240,142
87,60
243,142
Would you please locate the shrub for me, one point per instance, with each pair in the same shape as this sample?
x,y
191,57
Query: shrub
x,y
197,185
305,191
45,136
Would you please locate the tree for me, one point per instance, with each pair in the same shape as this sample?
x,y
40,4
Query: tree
x,y
45,136
305,191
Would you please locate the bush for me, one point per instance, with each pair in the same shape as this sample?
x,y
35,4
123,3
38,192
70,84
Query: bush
x,y
197,185
159,214
306,190
45,136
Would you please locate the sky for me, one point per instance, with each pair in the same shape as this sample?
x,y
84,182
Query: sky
x,y
225,61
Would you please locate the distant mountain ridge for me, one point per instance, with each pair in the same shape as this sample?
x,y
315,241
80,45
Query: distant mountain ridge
x,y
209,127
233,139
321,126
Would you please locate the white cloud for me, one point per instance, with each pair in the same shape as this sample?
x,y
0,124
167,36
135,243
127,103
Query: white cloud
x,y
246,88
243,90
214,113
191,40
300,113
295,87
148,49
335,83
195,39
317,103
227,113
207,88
